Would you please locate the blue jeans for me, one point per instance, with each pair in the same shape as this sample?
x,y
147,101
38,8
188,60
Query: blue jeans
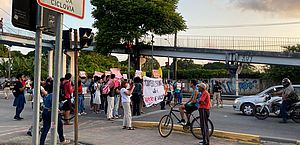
x,y
81,103
284,109
178,95
47,124
116,105
19,103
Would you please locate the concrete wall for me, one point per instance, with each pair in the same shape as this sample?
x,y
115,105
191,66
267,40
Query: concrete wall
x,y
246,86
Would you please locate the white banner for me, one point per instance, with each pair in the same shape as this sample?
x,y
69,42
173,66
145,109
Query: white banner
x,y
153,90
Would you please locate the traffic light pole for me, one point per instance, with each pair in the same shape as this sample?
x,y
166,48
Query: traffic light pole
x,y
76,88
37,77
56,80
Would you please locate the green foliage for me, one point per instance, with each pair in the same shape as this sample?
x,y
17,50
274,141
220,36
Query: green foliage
x,y
278,72
215,65
93,61
3,51
146,67
120,21
186,64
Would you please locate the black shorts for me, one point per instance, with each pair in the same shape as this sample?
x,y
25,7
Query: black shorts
x,y
190,108
67,105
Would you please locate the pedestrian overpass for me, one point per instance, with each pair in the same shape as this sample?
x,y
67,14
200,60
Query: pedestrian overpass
x,y
258,50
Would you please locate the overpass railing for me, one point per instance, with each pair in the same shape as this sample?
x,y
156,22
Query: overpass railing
x,y
13,30
272,44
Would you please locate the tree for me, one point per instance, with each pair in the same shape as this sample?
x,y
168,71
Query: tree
x,y
186,64
215,65
146,67
278,72
3,51
120,21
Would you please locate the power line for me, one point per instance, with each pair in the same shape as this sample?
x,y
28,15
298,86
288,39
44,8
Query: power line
x,y
243,25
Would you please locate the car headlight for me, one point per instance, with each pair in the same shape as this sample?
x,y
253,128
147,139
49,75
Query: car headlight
x,y
236,100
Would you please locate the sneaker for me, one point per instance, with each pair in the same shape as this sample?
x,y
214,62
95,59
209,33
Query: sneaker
x,y
116,117
83,113
65,142
182,122
79,114
21,118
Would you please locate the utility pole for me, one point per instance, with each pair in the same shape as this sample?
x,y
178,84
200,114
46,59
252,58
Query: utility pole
x,y
37,77
56,80
76,88
175,59
152,63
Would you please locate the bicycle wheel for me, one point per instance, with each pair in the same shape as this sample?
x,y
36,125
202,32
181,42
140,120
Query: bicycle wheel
x,y
165,126
196,129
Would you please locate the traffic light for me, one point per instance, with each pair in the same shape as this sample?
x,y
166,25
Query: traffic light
x,y
86,37
24,16
67,39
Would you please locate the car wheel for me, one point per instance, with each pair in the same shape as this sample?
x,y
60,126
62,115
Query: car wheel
x,y
247,109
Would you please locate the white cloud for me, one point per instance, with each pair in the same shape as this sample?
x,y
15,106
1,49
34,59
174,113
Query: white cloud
x,y
284,8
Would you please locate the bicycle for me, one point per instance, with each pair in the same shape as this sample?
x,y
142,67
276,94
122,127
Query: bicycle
x,y
166,124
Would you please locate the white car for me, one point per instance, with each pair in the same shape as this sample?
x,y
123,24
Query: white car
x,y
246,103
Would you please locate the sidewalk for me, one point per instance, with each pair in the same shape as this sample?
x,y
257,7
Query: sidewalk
x,y
110,133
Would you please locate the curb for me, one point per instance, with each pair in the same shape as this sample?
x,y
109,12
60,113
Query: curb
x,y
217,133
248,138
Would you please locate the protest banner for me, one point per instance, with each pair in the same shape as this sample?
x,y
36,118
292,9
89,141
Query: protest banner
x,y
98,74
82,74
117,72
125,76
138,73
107,73
153,90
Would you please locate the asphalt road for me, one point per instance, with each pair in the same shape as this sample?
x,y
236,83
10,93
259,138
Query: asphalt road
x,y
224,119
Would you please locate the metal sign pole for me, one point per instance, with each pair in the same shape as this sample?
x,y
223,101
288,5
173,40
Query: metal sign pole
x,y
37,77
56,80
76,88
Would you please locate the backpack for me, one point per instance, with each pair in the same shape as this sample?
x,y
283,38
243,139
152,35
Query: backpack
x,y
15,91
62,92
293,96
106,90
92,88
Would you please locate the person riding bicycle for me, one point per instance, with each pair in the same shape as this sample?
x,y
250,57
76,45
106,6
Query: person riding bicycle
x,y
191,105
289,97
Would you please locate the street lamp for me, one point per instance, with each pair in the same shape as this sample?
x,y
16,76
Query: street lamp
x,y
152,65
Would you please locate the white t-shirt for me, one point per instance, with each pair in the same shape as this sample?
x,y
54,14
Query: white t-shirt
x,y
125,98
41,98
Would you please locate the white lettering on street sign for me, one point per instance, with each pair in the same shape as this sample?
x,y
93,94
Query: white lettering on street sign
x,y
71,7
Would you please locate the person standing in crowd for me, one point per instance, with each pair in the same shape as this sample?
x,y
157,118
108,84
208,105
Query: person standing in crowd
x,y
103,97
169,92
207,85
125,93
163,103
80,99
49,85
46,115
92,91
177,94
97,99
117,99
110,91
136,96
6,89
204,107
68,90
19,101
217,95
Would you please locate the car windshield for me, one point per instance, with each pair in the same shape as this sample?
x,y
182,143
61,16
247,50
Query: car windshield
x,y
269,91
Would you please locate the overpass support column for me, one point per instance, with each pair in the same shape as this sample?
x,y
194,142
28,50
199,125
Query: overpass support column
x,y
50,63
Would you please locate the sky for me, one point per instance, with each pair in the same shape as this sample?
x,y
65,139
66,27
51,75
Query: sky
x,y
200,13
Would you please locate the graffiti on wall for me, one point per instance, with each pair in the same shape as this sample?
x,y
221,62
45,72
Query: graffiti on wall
x,y
246,86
